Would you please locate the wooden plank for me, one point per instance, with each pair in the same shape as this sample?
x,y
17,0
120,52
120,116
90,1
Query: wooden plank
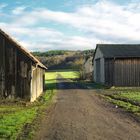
x,y
127,72
98,70
109,72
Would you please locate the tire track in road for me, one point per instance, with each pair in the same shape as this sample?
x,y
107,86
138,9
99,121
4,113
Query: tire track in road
x,y
79,114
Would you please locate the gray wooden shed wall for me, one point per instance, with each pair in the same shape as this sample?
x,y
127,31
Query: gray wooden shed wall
x,y
122,72
99,67
16,71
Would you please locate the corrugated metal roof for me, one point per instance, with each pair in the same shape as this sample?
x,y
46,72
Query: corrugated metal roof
x,y
22,49
119,50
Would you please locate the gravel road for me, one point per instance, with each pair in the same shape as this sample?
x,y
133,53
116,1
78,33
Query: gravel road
x,y
79,114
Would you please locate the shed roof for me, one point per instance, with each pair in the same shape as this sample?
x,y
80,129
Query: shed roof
x,y
23,50
119,50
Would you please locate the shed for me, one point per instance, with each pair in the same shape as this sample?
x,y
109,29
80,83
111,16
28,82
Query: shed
x,y
117,64
21,74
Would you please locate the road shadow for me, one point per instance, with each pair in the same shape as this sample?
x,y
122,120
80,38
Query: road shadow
x,y
62,83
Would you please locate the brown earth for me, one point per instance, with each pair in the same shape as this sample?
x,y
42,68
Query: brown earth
x,y
79,114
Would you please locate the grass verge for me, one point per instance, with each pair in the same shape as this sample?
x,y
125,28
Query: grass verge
x,y
17,120
126,105
131,95
129,99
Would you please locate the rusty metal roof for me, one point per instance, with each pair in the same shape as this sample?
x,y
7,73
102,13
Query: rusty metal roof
x,y
22,49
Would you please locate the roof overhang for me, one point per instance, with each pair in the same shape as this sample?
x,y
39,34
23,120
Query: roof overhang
x,y
23,50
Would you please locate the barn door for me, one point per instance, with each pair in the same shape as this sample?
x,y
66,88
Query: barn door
x,y
109,72
98,70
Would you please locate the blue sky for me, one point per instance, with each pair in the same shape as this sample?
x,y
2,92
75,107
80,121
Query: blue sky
x,y
41,25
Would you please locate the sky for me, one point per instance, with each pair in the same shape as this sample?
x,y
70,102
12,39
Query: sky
x,y
42,25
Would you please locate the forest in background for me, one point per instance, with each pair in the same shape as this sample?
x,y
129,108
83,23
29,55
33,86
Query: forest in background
x,y
63,59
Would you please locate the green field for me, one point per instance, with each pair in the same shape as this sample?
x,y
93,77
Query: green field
x,y
131,95
17,114
50,76
69,74
127,98
124,104
11,123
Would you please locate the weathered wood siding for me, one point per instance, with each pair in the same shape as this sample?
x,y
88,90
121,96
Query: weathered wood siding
x,y
127,72
16,72
37,83
23,76
2,66
122,72
99,70
109,72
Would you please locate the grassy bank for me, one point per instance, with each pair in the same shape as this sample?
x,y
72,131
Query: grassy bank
x,y
133,96
16,115
127,98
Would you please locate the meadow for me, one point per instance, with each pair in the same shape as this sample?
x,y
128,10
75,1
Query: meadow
x,y
67,74
16,114
124,97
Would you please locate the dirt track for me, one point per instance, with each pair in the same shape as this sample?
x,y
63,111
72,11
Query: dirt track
x,y
79,114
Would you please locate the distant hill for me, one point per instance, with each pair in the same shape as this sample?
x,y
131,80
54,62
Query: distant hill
x,y
62,59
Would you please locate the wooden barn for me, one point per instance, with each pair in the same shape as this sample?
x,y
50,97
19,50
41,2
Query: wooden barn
x,y
21,74
117,64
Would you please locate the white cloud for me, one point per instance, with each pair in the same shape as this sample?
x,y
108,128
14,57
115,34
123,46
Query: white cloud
x,y
60,42
100,22
42,38
3,5
19,10
102,18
